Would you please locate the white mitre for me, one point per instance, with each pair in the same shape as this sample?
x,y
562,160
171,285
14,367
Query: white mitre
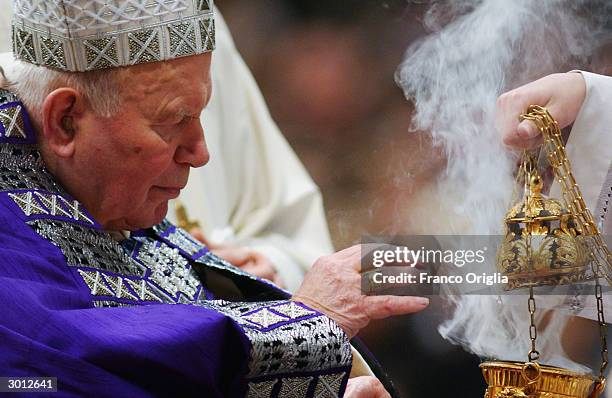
x,y
85,35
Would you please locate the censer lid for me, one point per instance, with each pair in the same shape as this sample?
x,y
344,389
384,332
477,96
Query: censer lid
x,y
535,206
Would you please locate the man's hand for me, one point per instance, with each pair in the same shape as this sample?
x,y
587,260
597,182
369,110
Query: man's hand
x,y
333,286
365,387
248,260
561,93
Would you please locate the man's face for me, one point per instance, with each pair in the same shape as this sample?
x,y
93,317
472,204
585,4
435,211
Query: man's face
x,y
128,167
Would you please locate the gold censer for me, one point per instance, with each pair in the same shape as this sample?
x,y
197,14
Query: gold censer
x,y
549,242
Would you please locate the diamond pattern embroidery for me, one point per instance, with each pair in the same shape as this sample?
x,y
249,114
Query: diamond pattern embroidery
x,y
74,208
27,203
202,5
182,39
120,290
262,389
52,52
50,202
144,46
23,45
89,14
143,290
93,279
264,318
183,241
97,283
104,13
41,12
101,53
170,270
207,34
292,310
328,386
12,122
294,387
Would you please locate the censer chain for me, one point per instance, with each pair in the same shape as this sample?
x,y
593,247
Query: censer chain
x,y
601,256
533,354
603,329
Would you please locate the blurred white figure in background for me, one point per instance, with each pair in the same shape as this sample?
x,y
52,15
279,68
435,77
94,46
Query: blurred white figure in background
x,y
263,199
265,214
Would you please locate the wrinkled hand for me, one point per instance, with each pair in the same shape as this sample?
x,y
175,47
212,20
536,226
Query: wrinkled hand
x,y
365,387
248,260
333,286
561,93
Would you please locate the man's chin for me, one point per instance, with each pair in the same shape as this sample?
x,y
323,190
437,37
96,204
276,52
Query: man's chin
x,y
159,214
146,221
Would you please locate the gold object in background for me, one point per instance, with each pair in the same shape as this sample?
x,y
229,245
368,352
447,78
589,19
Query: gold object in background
x,y
182,219
549,243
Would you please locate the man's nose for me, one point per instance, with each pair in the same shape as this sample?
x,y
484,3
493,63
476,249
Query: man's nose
x,y
193,151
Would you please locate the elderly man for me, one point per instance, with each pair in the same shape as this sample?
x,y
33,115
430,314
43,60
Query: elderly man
x,y
98,131
266,214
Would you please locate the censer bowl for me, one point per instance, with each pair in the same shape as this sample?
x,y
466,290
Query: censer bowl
x,y
508,380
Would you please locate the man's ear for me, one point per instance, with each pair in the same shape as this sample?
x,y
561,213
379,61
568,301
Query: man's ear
x,y
61,112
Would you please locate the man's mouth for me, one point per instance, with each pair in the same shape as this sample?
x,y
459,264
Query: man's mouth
x,y
172,192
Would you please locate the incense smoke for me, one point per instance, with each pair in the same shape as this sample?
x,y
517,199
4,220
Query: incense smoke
x,y
478,50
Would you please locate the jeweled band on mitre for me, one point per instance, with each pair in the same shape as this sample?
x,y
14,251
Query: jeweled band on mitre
x,y
85,35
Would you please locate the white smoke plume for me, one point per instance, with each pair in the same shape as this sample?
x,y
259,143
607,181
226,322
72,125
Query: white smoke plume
x,y
478,50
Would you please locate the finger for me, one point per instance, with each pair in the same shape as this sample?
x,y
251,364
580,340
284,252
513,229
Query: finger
x,y
531,143
257,270
261,260
380,392
278,281
199,235
515,132
379,307
238,257
349,251
365,387
350,255
508,108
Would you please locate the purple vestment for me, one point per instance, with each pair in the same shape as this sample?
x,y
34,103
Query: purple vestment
x,y
154,315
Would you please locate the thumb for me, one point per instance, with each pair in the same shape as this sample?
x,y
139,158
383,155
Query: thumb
x,y
526,136
527,130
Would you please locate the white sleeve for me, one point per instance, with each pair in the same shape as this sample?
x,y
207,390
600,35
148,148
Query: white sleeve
x,y
589,150
254,191
589,147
